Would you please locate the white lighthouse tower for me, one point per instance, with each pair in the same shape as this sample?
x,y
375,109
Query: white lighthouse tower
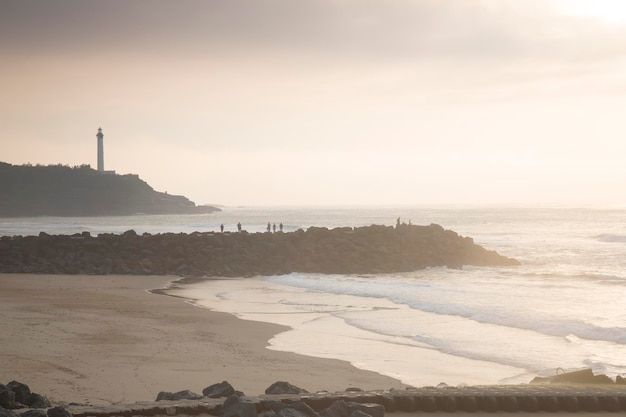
x,y
100,137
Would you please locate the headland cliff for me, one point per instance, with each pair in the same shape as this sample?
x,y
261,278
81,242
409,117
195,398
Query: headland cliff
x,y
57,190
361,250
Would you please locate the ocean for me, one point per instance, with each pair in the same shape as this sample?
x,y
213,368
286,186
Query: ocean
x,y
564,308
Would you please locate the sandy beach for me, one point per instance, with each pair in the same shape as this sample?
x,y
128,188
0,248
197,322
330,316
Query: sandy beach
x,y
107,339
102,340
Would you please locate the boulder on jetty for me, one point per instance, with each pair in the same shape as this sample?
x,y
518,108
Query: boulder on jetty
x,y
17,395
235,406
361,250
496,398
583,376
293,409
283,387
58,412
221,389
342,408
176,396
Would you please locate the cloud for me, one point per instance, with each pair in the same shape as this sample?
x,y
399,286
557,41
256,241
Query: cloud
x,y
303,56
287,86
370,31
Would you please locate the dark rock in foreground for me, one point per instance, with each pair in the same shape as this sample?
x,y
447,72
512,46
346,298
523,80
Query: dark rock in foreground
x,y
7,398
594,396
497,398
222,389
16,395
38,401
362,250
35,412
293,409
235,406
342,408
584,376
177,396
7,413
59,412
283,387
21,391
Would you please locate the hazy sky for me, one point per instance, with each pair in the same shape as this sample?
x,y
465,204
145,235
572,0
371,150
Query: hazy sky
x,y
332,102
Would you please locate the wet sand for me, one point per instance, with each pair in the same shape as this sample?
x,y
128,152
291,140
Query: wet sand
x,y
107,339
102,340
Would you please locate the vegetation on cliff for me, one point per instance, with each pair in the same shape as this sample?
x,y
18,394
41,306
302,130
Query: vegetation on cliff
x,y
57,190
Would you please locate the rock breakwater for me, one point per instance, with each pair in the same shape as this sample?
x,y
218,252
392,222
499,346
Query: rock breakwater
x,y
346,250
352,402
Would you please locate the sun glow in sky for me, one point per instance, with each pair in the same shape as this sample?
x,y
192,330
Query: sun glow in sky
x,y
613,11
325,102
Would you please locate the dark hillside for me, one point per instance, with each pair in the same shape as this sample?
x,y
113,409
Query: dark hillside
x,y
57,190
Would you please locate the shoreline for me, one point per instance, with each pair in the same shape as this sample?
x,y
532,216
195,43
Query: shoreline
x,y
110,339
319,326
102,345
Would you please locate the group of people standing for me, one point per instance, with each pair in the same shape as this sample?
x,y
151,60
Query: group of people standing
x,y
270,227
238,227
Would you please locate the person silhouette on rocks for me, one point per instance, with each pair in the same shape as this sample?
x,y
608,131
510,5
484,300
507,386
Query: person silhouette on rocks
x,y
239,227
280,226
269,227
274,227
222,227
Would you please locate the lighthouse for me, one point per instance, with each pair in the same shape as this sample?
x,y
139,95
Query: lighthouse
x,y
100,137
